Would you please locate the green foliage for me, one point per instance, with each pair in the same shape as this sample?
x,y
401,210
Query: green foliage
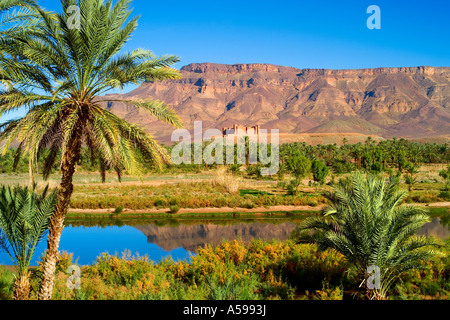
x,y
118,210
366,223
6,283
86,63
24,220
254,170
185,195
444,195
445,174
235,270
298,165
412,168
410,181
342,166
320,171
292,187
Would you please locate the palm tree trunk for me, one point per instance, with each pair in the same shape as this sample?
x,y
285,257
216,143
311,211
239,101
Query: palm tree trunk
x,y
65,190
30,172
22,287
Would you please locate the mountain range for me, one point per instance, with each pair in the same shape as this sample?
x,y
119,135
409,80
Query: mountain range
x,y
409,102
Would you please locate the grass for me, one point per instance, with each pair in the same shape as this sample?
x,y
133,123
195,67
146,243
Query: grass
x,y
6,283
212,189
186,195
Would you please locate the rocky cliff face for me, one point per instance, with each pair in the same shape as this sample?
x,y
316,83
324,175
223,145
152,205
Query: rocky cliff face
x,y
403,102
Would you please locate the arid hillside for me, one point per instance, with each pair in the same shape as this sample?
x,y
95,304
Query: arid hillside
x,y
410,102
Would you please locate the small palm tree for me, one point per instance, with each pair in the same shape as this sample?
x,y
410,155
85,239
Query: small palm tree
x,y
24,221
367,224
60,71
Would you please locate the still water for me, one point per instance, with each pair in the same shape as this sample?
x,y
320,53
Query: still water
x,y
176,238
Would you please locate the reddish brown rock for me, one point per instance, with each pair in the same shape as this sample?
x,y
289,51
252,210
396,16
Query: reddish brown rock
x,y
408,102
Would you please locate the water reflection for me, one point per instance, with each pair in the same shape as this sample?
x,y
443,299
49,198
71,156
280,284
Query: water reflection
x,y
176,238
190,237
435,228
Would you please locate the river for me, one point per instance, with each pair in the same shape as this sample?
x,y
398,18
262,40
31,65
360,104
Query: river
x,y
178,239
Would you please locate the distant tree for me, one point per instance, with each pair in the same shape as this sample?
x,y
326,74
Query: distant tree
x,y
410,179
412,168
300,167
320,171
445,174
401,160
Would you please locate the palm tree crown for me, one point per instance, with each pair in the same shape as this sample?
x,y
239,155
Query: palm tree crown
x,y
59,73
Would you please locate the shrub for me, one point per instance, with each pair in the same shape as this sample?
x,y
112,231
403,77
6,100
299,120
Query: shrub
x,y
235,270
160,203
118,210
444,195
226,180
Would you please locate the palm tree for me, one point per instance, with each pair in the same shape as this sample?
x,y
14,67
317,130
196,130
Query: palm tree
x,y
15,11
366,224
24,220
58,73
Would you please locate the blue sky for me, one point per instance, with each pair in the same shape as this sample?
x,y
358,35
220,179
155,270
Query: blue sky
x,y
302,34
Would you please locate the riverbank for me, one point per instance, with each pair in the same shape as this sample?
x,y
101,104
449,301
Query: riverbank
x,y
192,212
199,211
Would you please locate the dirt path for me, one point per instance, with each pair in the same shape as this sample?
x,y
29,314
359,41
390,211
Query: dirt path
x,y
202,210
227,209
439,204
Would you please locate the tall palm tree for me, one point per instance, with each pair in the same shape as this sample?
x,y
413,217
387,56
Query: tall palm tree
x,y
59,72
367,224
24,220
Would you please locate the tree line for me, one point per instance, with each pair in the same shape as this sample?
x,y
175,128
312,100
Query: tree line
x,y
392,154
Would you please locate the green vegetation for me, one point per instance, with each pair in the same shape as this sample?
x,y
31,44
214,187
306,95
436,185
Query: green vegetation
x,y
60,74
445,174
367,224
24,220
300,167
234,270
118,210
184,195
319,171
